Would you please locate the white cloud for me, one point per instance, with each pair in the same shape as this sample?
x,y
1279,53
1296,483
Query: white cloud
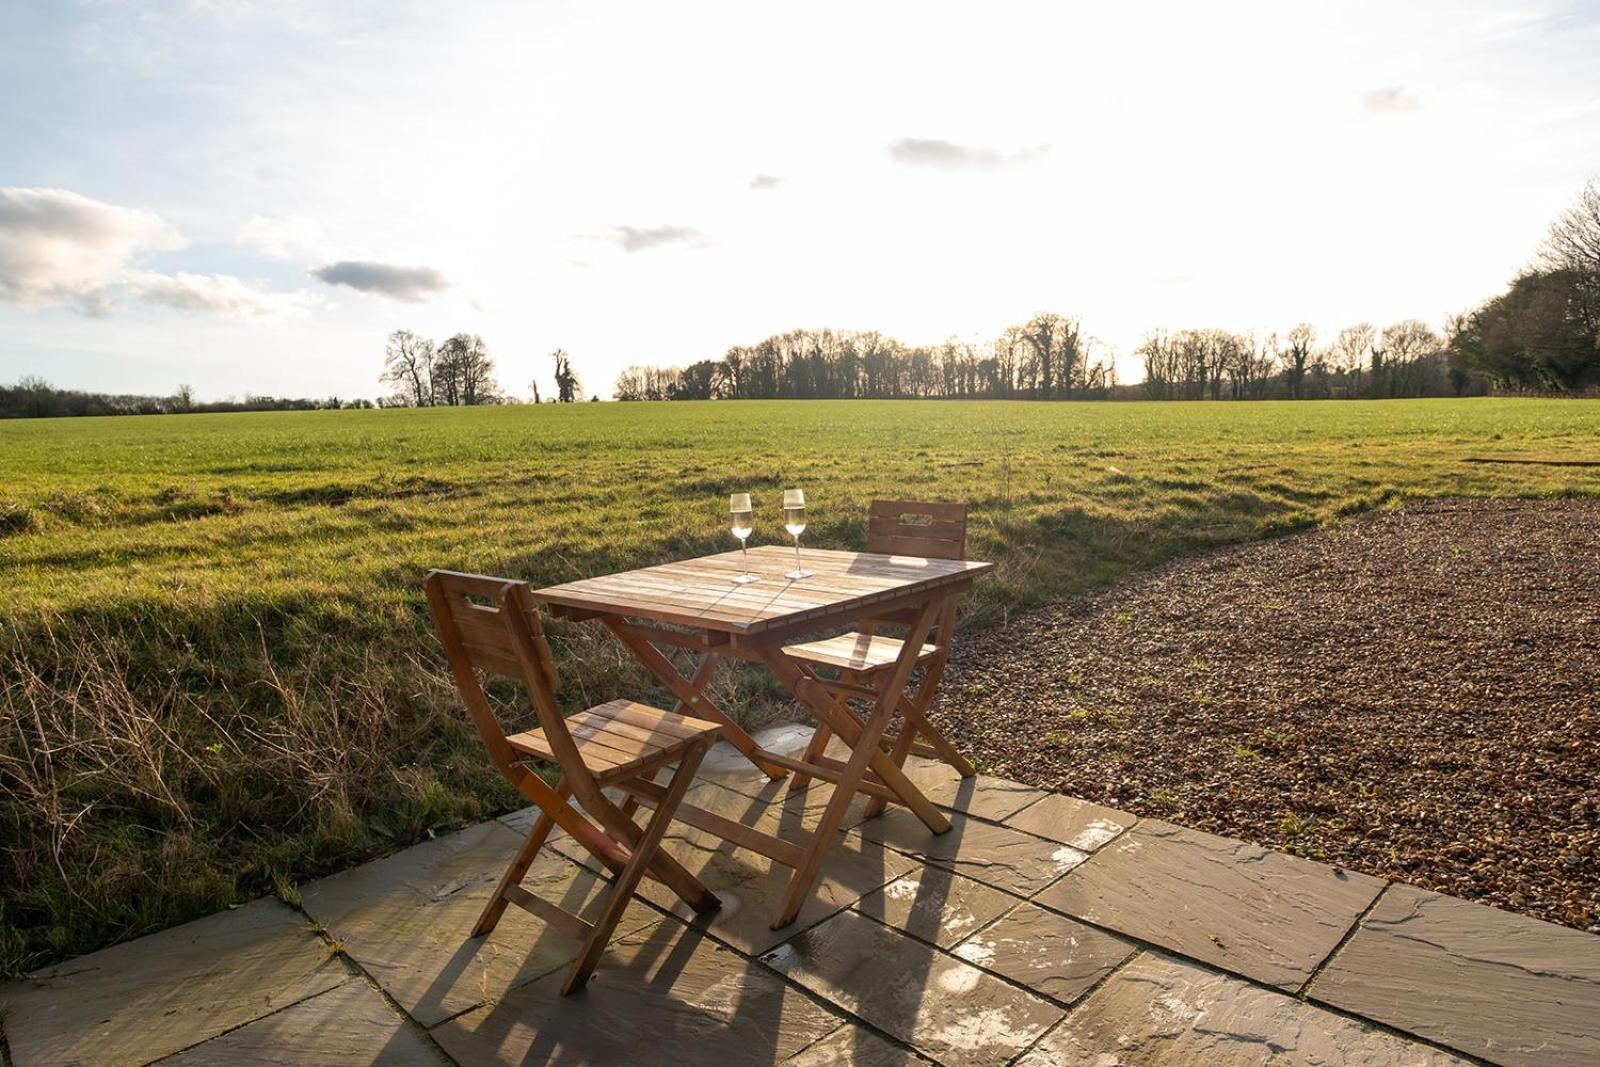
x,y
220,294
386,279
1390,100
57,247
644,238
938,154
60,248
284,237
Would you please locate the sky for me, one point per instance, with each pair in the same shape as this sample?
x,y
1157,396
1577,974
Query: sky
x,y
248,197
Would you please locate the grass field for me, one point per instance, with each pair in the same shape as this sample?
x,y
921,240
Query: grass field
x,y
217,674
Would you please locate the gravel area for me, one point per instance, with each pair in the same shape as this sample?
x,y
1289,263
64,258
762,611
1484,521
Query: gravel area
x,y
1414,694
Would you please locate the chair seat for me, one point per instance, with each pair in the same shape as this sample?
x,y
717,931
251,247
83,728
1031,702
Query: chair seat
x,y
621,738
854,652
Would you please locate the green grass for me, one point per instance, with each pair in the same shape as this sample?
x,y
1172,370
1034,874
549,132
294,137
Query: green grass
x,y
217,674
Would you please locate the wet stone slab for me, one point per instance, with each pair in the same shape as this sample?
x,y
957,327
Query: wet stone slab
x,y
1072,821
406,919
351,1025
999,856
982,795
1258,913
1051,954
751,886
1159,1010
935,905
727,766
855,1046
140,1001
945,1008
663,995
1505,987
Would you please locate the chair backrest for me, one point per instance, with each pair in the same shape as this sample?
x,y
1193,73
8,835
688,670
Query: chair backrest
x,y
904,528
492,625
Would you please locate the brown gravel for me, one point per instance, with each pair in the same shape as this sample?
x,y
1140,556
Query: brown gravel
x,y
1414,694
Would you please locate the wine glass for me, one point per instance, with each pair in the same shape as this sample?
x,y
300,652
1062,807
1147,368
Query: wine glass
x,y
794,520
739,510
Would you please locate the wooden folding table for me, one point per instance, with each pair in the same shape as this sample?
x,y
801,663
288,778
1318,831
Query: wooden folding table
x,y
696,605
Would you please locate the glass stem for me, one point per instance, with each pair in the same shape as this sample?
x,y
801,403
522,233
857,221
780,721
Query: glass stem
x,y
797,552
744,555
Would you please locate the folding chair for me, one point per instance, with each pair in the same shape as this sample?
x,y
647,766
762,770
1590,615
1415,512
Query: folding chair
x,y
492,625
863,658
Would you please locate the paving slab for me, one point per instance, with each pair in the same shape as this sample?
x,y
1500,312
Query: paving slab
x,y
137,1002
774,808
945,1008
1505,987
728,767
995,855
855,1046
1052,955
750,885
666,994
1164,1012
406,919
1071,821
935,905
349,1025
982,795
1262,914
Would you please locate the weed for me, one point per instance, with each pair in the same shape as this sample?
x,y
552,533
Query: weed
x,y
1163,798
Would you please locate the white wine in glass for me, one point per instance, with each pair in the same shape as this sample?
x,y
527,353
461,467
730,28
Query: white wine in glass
x,y
794,520
742,526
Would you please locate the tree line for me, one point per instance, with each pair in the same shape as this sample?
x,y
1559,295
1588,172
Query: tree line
x,y
1407,358
35,398
1048,357
1542,334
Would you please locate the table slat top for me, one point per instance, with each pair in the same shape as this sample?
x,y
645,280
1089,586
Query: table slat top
x,y
701,592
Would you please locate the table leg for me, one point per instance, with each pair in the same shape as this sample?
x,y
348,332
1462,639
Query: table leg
x,y
864,752
699,680
688,693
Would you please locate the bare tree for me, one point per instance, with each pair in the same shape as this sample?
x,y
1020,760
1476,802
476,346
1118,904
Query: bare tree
x,y
462,373
1574,239
568,390
1407,347
1055,343
1296,356
1350,352
408,364
1160,358
1574,245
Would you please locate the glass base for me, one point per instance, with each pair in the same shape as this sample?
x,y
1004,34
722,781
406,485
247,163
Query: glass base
x,y
745,579
797,574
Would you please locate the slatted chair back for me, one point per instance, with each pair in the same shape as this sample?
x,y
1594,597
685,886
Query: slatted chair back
x,y
906,528
492,625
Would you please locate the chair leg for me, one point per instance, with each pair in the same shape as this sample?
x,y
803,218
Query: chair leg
x,y
519,866
819,742
900,750
644,848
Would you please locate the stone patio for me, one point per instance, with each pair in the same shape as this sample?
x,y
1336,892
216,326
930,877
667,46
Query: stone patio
x,y
1041,930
